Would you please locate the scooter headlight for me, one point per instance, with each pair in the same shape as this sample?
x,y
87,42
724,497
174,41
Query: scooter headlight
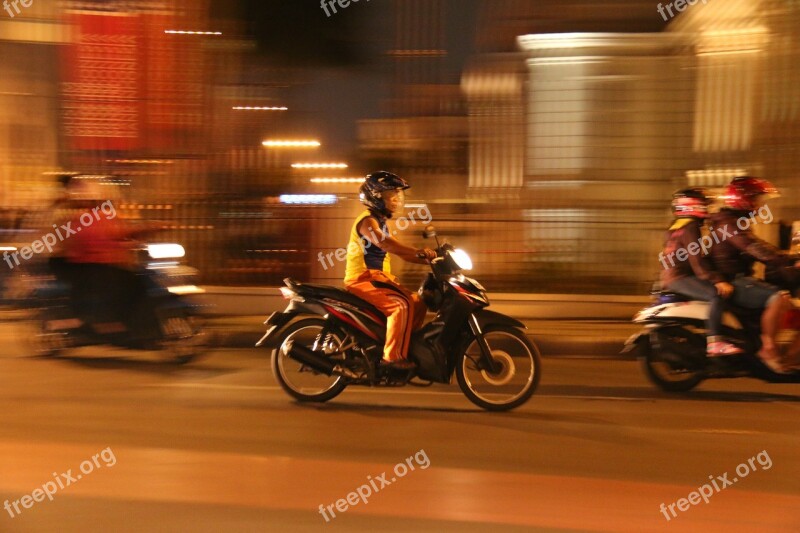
x,y
165,251
461,259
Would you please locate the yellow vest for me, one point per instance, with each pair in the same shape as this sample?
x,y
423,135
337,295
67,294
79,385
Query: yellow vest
x,y
363,256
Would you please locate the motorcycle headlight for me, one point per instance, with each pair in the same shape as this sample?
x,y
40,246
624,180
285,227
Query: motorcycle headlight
x,y
165,251
461,259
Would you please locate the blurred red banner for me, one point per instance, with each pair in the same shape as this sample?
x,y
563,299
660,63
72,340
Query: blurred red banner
x,y
101,81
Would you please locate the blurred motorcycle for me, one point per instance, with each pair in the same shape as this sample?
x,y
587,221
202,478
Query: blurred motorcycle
x,y
672,343
328,339
168,322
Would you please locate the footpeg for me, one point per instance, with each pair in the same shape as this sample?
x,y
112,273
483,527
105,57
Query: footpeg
x,y
339,370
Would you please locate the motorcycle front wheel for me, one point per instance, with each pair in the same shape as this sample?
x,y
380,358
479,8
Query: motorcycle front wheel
x,y
299,381
519,370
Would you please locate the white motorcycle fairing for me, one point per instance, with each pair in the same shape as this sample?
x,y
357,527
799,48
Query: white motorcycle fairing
x,y
693,310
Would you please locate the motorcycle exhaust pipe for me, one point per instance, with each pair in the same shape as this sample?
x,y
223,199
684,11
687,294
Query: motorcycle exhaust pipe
x,y
301,354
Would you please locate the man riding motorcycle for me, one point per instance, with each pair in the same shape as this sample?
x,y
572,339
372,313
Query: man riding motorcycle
x,y
368,272
97,258
736,252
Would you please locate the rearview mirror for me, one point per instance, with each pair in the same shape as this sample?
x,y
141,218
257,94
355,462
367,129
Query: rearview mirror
x,y
429,232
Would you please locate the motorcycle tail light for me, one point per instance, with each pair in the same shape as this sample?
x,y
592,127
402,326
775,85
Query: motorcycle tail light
x,y
287,293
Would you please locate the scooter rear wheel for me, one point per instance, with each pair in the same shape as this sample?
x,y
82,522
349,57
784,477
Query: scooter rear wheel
x,y
664,370
39,339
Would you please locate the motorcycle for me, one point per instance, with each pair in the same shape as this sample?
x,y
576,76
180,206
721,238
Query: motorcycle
x,y
671,347
168,322
328,339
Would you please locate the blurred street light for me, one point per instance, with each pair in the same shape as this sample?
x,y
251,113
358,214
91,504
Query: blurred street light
x,y
188,32
308,199
319,165
337,180
291,144
258,108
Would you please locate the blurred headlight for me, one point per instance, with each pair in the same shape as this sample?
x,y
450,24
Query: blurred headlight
x,y
461,259
165,251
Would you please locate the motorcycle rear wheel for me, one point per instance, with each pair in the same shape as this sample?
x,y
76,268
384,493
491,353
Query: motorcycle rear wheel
x,y
667,376
186,339
38,339
313,387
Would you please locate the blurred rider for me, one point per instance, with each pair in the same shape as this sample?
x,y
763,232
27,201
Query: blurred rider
x,y
739,248
694,276
99,252
368,272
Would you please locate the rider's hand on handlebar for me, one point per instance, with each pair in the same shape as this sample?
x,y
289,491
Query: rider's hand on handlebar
x,y
724,288
426,253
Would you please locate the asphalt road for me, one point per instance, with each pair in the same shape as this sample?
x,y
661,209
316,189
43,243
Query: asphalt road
x,y
217,446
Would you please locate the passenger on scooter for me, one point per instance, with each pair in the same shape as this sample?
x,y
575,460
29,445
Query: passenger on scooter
x,y
368,272
739,249
694,275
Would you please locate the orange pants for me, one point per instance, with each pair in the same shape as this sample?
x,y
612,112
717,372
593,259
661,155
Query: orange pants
x,y
404,310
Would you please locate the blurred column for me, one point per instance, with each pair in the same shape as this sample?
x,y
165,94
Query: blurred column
x,y
28,104
496,125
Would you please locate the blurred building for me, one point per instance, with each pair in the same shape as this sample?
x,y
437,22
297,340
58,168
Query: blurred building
x,y
579,138
550,157
423,134
29,104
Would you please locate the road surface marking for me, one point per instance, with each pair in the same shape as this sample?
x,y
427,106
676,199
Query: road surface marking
x,y
387,390
726,431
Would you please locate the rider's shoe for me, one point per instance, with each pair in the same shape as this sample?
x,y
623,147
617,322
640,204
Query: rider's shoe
x,y
722,348
772,360
399,364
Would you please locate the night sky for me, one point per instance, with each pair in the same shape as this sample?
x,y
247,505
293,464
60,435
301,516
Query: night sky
x,y
343,54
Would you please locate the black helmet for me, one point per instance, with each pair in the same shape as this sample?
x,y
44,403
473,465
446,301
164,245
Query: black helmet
x,y
371,191
691,202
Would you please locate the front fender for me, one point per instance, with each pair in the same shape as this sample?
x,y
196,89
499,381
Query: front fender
x,y
490,318
638,343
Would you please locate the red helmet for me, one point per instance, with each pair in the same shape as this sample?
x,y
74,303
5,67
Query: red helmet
x,y
691,202
741,193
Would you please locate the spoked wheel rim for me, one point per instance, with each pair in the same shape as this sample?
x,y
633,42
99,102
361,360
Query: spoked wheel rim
x,y
515,377
48,343
667,369
186,338
506,372
42,341
668,373
300,378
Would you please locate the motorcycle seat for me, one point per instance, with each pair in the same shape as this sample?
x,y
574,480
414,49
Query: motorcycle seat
x,y
670,297
334,293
